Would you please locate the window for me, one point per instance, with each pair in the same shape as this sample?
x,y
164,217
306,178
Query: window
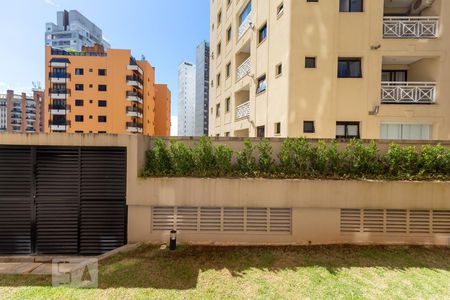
x,y
91,70
227,104
312,0
91,86
79,118
79,102
101,72
309,127
350,5
349,68
79,71
277,128
90,117
229,34
279,70
228,70
245,13
347,130
396,76
219,48
260,131
102,132
310,62
79,131
227,134
102,88
262,34
406,131
102,119
261,87
219,18
218,79
280,9
79,87
218,110
101,103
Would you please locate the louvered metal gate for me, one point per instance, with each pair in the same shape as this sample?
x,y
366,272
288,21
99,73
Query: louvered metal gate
x,y
62,200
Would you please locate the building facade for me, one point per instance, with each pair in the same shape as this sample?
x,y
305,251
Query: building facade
x,y
73,31
94,91
21,113
162,110
330,69
186,99
202,89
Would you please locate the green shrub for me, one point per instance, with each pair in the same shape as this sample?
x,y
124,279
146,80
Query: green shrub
x,y
361,160
246,162
286,158
434,161
159,162
326,159
224,156
205,158
303,155
401,161
265,158
183,161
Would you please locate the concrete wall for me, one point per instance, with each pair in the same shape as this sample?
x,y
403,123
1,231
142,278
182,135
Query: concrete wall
x,y
315,205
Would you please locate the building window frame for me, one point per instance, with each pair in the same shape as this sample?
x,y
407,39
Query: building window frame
x,y
346,67
347,135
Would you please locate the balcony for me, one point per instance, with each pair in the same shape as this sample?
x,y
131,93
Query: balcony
x,y
245,25
135,97
59,77
134,112
243,111
244,69
134,127
58,125
134,67
55,109
135,81
59,93
411,27
408,92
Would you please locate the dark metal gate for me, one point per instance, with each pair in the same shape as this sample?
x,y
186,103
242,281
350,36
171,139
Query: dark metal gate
x,y
62,200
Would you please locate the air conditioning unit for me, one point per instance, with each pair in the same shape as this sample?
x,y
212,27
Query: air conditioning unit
x,y
419,5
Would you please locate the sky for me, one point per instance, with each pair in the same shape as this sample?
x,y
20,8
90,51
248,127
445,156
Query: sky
x,y
167,32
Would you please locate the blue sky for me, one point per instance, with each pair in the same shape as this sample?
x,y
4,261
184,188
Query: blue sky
x,y
165,31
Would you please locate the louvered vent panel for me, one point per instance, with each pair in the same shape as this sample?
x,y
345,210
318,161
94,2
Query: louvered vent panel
x,y
441,221
350,220
15,200
210,218
419,221
163,218
186,218
233,219
280,220
257,219
396,221
373,220
57,200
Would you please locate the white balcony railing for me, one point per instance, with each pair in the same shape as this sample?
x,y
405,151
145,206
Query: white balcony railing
x,y
411,27
243,110
408,92
244,27
244,69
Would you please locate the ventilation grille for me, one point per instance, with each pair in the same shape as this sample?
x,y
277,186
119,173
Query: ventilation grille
x,y
395,221
222,219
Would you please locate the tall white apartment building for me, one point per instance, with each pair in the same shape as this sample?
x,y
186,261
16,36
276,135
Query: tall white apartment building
x,y
73,31
202,89
186,99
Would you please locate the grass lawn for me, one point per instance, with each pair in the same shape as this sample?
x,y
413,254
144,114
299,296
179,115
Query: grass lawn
x,y
317,272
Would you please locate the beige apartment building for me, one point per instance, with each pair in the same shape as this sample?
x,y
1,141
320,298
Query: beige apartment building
x,y
330,69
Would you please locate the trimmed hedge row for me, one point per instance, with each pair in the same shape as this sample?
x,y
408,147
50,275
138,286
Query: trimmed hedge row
x,y
298,159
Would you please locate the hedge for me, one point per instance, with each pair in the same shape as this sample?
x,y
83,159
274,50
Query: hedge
x,y
298,159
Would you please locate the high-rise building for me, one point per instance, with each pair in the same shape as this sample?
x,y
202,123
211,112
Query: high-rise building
x,y
330,69
202,89
21,113
186,99
73,31
162,110
94,91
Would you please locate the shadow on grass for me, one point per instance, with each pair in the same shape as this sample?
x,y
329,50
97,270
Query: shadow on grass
x,y
150,267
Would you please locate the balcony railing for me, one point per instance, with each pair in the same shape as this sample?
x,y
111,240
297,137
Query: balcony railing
x,y
134,124
408,92
243,110
59,91
59,75
59,123
134,94
244,27
135,78
244,69
58,107
411,27
134,110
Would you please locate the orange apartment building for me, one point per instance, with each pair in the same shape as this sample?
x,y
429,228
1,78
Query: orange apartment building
x,y
97,91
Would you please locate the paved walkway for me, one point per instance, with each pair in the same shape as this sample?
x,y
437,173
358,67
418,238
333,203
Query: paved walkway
x,y
26,268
